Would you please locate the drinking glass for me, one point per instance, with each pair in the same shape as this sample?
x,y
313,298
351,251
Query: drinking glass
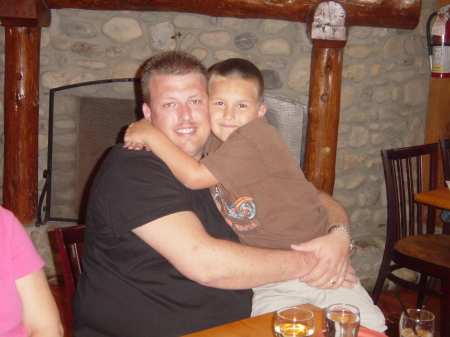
x,y
421,320
342,320
294,322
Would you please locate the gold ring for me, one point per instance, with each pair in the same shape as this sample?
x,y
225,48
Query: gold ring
x,y
332,282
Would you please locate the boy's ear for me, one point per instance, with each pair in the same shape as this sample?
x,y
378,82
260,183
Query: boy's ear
x,y
262,110
147,112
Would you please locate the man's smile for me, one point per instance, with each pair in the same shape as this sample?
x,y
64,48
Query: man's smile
x,y
186,130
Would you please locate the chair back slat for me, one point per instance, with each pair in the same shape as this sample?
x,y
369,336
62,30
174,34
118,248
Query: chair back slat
x,y
405,176
70,248
445,152
410,178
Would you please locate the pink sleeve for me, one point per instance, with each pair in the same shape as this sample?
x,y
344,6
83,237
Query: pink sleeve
x,y
18,258
24,256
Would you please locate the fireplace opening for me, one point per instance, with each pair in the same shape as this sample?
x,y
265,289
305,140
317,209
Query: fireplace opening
x,y
87,119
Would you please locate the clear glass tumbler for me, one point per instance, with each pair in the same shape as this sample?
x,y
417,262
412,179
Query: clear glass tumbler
x,y
294,322
419,323
342,320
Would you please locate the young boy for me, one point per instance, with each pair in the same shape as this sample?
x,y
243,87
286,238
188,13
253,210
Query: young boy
x,y
256,183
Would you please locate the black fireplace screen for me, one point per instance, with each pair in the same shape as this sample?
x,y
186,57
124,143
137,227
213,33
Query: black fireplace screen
x,y
87,119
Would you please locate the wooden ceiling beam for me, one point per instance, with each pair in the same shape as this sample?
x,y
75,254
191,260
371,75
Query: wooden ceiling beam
x,y
389,14
24,13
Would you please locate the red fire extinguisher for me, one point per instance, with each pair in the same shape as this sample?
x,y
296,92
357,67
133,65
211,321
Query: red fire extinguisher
x,y
438,39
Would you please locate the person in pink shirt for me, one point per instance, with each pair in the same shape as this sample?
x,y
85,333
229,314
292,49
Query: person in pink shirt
x,y
27,306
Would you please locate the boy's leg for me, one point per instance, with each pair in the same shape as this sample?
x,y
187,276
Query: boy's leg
x,y
275,296
371,315
278,295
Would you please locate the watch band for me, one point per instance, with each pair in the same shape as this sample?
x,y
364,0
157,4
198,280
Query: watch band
x,y
345,229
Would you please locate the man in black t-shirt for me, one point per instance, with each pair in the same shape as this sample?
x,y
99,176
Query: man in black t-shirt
x,y
159,259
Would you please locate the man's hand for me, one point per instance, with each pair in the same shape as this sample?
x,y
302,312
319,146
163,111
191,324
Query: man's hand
x,y
333,269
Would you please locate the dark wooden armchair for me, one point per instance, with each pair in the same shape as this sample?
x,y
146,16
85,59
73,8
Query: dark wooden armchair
x,y
411,241
70,247
445,151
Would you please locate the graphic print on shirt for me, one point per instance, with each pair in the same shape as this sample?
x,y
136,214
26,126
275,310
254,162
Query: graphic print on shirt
x,y
239,212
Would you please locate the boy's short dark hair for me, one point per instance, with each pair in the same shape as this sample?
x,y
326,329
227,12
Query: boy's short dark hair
x,y
238,68
169,63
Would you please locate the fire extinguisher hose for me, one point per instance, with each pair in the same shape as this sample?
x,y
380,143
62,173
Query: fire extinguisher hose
x,y
428,31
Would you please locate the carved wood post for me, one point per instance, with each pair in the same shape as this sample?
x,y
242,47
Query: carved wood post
x,y
21,121
328,34
22,20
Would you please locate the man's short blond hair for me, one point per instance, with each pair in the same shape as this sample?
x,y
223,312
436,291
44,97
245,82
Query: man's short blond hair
x,y
169,63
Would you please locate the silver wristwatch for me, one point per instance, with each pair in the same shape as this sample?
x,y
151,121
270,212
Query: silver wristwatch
x,y
345,229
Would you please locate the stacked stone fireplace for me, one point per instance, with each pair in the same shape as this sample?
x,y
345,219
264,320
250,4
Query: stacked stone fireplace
x,y
383,101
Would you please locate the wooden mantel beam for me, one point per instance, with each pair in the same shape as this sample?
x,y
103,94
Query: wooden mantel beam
x,y
22,73
388,13
24,13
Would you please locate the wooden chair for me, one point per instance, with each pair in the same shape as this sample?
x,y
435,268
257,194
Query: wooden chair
x,y
70,247
445,151
410,240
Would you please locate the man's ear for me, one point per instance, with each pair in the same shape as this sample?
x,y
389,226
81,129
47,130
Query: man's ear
x,y
262,110
147,112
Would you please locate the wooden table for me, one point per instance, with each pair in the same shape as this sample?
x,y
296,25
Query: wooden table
x,y
259,326
439,198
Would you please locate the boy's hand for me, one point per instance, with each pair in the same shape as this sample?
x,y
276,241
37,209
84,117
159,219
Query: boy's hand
x,y
135,146
136,134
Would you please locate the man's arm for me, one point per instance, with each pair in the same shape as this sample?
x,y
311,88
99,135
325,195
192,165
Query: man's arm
x,y
186,169
181,238
332,250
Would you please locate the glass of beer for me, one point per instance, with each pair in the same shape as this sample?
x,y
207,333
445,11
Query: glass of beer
x,y
342,320
419,323
294,322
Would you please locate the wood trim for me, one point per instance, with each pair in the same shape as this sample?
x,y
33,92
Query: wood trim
x,y
323,117
21,121
391,14
24,13
438,115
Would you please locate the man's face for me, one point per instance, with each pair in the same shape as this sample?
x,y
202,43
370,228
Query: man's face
x,y
232,104
179,108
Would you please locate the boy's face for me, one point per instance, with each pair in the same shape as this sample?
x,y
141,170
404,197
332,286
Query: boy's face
x,y
232,103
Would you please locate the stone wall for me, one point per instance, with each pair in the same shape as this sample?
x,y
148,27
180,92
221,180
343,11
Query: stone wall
x,y
384,91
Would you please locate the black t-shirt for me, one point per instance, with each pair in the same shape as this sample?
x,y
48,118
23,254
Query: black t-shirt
x,y
129,289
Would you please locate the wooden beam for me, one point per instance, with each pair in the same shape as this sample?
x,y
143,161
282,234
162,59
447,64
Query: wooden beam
x,y
24,13
323,117
21,121
438,115
328,30
390,14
